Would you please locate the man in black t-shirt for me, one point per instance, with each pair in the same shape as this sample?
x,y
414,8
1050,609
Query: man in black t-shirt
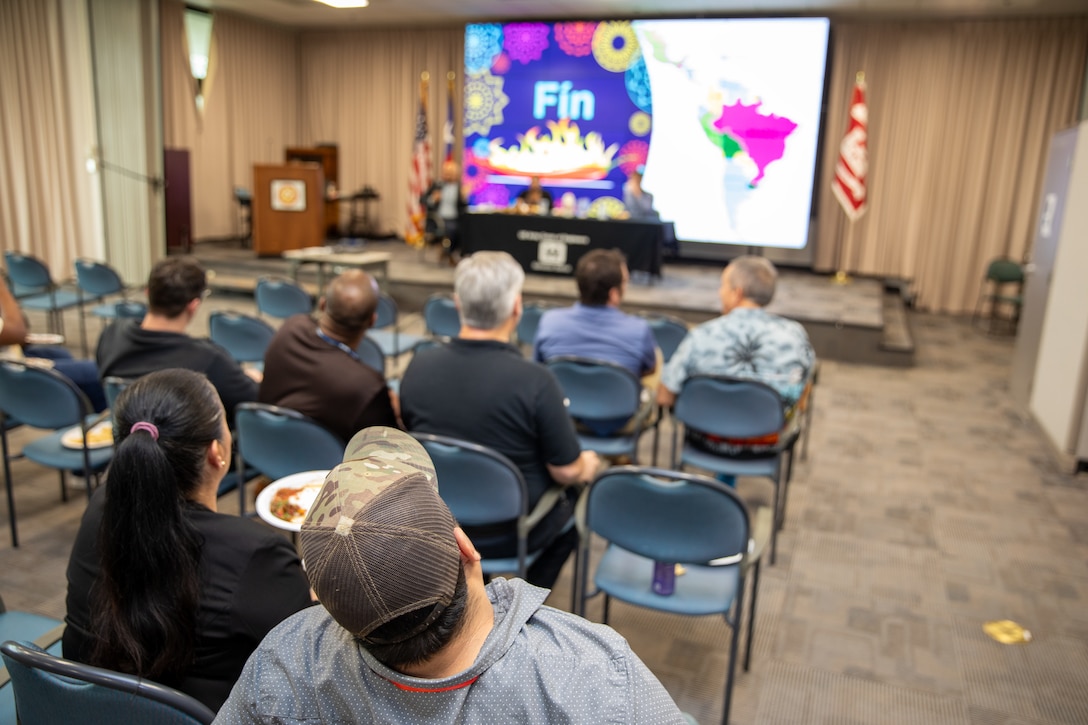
x,y
130,349
480,388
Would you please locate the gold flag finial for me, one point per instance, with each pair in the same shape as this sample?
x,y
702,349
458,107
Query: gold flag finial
x,y
450,76
860,77
425,76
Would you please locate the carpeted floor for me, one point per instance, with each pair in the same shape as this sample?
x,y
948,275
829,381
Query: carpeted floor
x,y
927,507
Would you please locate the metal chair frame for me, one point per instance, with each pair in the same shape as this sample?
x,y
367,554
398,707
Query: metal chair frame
x,y
22,660
712,402
39,414
654,515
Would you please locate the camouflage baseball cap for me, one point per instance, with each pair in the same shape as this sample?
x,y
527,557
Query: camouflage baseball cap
x,y
378,541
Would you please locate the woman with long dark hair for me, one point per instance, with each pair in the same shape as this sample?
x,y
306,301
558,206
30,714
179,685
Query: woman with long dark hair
x,y
159,584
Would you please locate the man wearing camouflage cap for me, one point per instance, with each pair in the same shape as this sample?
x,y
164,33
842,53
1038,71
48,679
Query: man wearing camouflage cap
x,y
409,633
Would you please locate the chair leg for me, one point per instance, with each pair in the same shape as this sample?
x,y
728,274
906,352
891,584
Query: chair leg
x,y
732,666
64,486
607,602
751,616
781,522
774,519
8,485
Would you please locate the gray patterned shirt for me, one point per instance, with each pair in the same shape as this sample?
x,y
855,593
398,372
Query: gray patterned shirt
x,y
748,343
538,665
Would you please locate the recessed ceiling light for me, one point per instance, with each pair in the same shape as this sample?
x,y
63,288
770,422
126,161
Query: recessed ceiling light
x,y
346,3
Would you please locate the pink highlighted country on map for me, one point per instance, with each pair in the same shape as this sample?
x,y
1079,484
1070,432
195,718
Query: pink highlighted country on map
x,y
763,137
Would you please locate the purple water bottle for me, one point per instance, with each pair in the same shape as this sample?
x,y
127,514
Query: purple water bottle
x,y
664,582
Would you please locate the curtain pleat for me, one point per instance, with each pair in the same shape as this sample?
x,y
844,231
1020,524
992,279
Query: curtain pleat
x,y
46,127
960,119
360,90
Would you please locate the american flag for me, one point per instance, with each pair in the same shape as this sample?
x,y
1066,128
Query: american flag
x,y
419,176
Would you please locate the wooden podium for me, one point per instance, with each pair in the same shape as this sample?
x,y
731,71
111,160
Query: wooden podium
x,y
288,208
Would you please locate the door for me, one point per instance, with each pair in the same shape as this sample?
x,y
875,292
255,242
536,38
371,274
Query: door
x,y
1040,267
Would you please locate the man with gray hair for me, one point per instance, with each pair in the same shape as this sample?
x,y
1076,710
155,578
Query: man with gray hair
x,y
746,341
480,388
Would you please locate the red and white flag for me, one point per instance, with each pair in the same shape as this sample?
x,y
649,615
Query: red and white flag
x,y
419,176
853,167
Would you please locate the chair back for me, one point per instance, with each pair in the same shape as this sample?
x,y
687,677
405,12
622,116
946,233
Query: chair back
x,y
667,515
1003,271
50,689
387,312
668,333
597,390
480,485
113,385
279,441
441,316
729,407
129,310
96,279
28,274
529,322
281,298
245,338
40,398
370,353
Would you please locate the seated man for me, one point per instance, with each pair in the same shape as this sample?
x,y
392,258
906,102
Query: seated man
x,y
130,349
408,632
745,342
595,328
534,199
313,367
639,202
479,388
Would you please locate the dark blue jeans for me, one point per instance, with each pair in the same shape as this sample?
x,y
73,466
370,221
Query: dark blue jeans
x,y
84,373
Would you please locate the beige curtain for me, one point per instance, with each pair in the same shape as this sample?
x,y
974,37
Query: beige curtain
x,y
250,115
47,198
360,90
960,119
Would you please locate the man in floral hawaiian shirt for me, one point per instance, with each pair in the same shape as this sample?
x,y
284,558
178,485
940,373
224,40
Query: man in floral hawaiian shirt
x,y
746,341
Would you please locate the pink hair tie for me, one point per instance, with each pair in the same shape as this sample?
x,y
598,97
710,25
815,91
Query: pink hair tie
x,y
149,427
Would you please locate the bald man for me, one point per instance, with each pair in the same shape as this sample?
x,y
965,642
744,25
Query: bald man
x,y
445,202
312,366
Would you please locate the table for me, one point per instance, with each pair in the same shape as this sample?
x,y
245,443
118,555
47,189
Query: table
x,y
373,262
555,244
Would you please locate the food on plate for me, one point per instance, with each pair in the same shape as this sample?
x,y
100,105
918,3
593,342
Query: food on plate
x,y
291,503
98,436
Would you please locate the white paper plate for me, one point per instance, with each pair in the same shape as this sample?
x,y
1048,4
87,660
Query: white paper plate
x,y
44,338
306,479
100,436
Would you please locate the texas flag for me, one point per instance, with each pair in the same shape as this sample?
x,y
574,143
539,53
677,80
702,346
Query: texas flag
x,y
853,165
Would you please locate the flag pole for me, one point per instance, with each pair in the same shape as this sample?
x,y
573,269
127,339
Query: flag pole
x,y
850,175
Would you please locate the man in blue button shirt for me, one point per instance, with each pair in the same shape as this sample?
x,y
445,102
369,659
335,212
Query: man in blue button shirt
x,y
596,328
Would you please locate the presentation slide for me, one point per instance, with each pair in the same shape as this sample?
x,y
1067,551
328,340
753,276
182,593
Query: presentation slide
x,y
720,116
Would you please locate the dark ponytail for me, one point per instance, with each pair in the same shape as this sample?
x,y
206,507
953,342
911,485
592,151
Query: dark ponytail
x,y
145,600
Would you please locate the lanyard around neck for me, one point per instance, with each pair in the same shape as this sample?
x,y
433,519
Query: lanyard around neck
x,y
336,343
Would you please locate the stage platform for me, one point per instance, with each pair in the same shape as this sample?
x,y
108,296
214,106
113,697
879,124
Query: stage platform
x,y
860,322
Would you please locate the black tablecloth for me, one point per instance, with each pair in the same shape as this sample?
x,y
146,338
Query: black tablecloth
x,y
554,244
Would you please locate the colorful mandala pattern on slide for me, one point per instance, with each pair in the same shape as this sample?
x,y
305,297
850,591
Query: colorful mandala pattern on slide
x,y
637,81
474,177
639,123
494,194
575,39
606,207
482,43
484,101
501,64
524,42
615,46
633,155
